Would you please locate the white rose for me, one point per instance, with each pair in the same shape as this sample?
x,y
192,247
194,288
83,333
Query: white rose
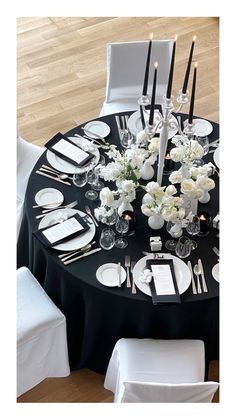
x,y
177,154
152,187
197,150
205,183
106,197
176,177
154,145
141,138
171,190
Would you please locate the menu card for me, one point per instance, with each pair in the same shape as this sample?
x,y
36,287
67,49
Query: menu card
x,y
163,286
67,150
60,232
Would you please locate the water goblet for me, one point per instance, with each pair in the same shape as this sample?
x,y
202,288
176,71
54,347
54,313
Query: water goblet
x,y
175,230
107,239
79,178
193,228
91,179
122,227
183,247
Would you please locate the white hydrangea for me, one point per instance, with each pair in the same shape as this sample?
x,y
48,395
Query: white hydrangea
x,y
154,145
177,154
176,176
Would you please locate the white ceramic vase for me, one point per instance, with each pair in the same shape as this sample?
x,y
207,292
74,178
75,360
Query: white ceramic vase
x,y
147,171
155,221
124,206
205,197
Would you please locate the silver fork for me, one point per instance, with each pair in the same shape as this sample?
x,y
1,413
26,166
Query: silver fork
x,y
89,212
134,291
127,265
120,131
71,205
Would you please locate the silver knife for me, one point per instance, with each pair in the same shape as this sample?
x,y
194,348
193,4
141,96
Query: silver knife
x,y
52,177
205,289
119,274
67,262
93,133
192,278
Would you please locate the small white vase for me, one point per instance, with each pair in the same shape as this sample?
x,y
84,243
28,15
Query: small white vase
x,y
147,171
205,197
155,221
124,206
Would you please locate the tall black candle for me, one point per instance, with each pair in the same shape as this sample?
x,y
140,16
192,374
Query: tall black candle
x,y
191,108
145,83
185,85
152,106
171,73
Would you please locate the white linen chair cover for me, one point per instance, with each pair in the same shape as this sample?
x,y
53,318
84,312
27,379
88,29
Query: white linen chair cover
x,y
161,371
41,335
126,63
27,156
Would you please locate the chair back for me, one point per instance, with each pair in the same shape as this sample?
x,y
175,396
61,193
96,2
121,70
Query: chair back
x,y
126,63
142,392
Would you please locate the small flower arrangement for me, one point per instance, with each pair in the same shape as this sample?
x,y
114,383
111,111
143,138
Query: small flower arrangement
x,y
150,145
185,150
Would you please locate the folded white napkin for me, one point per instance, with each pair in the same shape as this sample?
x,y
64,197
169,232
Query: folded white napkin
x,y
146,276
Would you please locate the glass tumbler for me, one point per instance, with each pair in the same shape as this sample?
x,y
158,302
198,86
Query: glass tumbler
x,y
183,247
107,239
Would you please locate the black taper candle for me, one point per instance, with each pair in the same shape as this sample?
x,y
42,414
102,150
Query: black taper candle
x,y
146,76
191,107
142,116
185,85
171,73
152,106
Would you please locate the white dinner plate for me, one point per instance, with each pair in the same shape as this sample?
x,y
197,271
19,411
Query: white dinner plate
x,y
201,127
72,244
135,124
66,167
47,195
182,273
216,157
107,274
215,272
98,127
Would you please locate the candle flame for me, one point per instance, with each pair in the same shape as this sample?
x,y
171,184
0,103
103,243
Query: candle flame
x,y
195,64
176,37
194,38
202,217
151,36
156,64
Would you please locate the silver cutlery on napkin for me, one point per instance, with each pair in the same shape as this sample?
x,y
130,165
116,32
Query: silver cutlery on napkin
x,y
89,212
71,205
67,262
204,285
119,274
194,290
133,290
57,179
127,265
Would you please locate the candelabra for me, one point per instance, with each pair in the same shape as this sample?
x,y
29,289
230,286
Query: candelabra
x,y
164,122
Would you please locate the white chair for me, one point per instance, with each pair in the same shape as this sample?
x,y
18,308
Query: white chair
x,y
41,335
27,156
126,63
161,371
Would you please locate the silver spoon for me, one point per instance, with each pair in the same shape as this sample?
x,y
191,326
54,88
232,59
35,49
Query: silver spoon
x,y
197,272
61,176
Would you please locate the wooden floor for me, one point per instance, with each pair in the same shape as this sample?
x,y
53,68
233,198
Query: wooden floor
x,y
61,79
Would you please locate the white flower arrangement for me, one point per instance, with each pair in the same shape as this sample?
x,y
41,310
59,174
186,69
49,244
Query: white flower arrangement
x,y
186,151
110,201
150,145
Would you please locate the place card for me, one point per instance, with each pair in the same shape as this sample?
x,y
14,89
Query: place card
x,y
163,286
67,150
60,232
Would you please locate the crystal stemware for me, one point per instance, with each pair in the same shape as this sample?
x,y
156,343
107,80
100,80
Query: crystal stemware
x,y
122,227
183,247
193,228
92,177
175,230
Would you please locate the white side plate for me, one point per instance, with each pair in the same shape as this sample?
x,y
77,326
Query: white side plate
x,y
107,274
47,195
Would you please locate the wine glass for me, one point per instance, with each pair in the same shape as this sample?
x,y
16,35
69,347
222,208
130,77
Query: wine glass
x,y
183,247
79,178
91,179
175,230
203,140
193,228
122,227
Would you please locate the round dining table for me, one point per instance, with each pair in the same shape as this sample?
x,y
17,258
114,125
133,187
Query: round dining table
x,y
98,315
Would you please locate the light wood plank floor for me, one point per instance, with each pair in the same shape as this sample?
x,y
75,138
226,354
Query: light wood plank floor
x,y
61,79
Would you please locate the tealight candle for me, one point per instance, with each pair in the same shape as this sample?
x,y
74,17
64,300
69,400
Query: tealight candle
x,y
168,164
205,222
129,216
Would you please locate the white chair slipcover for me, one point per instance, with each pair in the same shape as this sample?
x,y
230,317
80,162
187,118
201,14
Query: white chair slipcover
x,y
41,335
27,156
126,63
161,371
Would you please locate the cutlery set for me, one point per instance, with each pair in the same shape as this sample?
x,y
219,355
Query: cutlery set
x,y
129,274
122,126
54,174
44,212
198,271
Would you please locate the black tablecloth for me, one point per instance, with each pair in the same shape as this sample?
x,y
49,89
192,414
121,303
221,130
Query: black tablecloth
x,y
97,316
